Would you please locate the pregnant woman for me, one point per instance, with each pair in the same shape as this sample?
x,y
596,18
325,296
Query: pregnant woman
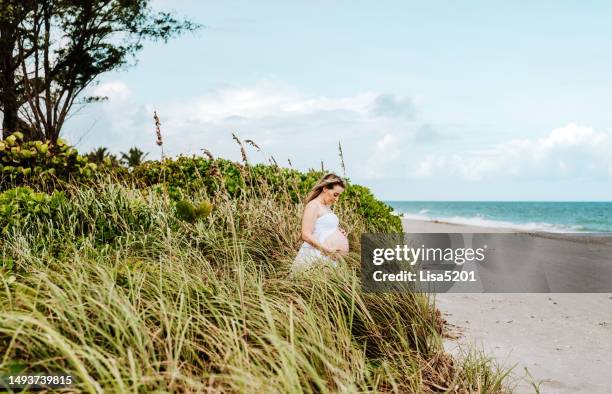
x,y
323,239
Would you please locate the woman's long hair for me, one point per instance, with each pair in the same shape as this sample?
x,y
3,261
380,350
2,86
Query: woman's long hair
x,y
328,181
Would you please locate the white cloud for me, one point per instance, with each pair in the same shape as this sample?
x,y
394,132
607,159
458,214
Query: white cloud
x,y
286,122
118,124
380,136
394,105
264,99
378,132
387,150
569,151
116,91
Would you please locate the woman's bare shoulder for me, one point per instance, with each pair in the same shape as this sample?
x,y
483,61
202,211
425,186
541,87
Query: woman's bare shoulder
x,y
313,205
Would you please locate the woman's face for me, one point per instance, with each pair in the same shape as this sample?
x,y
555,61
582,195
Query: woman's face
x,y
330,196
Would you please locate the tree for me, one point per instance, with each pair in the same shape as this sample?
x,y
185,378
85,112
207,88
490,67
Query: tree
x,y
133,158
101,155
12,15
51,50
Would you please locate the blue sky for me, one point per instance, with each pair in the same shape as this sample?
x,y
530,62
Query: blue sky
x,y
430,100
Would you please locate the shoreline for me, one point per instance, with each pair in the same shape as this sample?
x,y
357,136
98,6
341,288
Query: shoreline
x,y
497,224
561,341
437,226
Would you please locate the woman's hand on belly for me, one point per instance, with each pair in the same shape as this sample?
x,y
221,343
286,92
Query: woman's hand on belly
x,y
337,241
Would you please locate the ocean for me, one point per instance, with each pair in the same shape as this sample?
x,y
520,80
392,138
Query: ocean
x,y
553,216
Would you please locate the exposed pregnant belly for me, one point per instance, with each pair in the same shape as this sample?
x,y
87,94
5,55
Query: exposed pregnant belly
x,y
337,240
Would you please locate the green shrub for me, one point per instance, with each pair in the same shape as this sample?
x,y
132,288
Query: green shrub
x,y
185,175
378,215
186,211
203,209
29,163
191,173
22,205
175,193
33,162
101,214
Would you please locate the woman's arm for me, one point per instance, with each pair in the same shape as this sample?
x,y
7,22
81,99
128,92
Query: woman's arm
x,y
308,223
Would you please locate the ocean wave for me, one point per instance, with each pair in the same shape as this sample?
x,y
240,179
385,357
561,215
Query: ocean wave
x,y
479,221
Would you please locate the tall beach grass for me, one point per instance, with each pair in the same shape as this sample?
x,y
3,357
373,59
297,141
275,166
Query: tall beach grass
x,y
126,297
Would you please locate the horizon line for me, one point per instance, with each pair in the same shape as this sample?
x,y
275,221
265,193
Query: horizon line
x,y
394,200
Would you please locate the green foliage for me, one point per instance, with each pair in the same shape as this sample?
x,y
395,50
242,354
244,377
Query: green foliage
x,y
379,215
174,192
21,205
80,40
193,173
33,161
134,157
101,290
7,263
186,211
107,214
102,215
188,174
203,209
102,156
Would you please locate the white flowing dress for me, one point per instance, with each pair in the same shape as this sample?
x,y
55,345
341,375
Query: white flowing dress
x,y
325,225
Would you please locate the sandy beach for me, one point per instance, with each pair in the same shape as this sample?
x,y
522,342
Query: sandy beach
x,y
559,341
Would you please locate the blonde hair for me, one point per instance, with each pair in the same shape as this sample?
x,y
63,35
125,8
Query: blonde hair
x,y
328,181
